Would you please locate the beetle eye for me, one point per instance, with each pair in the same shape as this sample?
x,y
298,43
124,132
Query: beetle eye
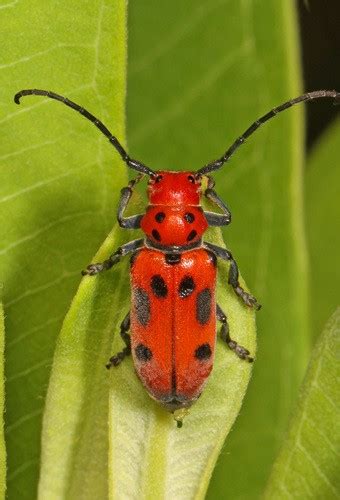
x,y
191,179
159,178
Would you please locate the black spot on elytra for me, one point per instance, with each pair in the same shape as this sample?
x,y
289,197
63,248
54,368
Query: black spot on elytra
x,y
142,305
158,286
203,306
172,258
143,353
192,235
203,352
160,216
189,217
186,286
156,235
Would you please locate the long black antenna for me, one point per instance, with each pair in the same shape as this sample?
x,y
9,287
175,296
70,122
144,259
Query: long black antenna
x,y
135,165
318,94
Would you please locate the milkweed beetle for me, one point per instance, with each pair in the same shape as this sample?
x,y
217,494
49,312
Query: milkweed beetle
x,y
173,271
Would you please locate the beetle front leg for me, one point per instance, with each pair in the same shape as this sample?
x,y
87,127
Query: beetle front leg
x,y
213,218
129,247
224,254
118,358
238,349
132,222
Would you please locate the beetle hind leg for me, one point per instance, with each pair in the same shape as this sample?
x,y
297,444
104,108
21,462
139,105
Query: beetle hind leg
x,y
118,358
238,349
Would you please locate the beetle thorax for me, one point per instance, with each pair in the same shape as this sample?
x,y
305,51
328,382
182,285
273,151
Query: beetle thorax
x,y
174,216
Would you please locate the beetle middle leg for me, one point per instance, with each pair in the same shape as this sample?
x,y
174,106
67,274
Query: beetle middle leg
x,y
118,358
129,247
224,254
247,298
238,349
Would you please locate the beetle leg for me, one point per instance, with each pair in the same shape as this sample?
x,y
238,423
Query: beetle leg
x,y
132,222
247,298
239,350
216,219
118,358
224,254
129,247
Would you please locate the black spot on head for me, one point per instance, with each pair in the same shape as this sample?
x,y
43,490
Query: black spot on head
x,y
203,306
160,216
203,352
158,286
158,178
186,286
156,235
191,179
172,258
142,305
192,235
189,217
143,353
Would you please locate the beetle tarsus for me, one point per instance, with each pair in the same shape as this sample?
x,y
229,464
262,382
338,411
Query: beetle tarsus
x,y
238,349
118,358
247,298
93,269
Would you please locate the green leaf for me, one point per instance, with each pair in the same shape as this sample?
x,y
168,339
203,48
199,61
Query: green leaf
x,y
322,217
198,76
75,429
2,408
148,456
60,183
308,463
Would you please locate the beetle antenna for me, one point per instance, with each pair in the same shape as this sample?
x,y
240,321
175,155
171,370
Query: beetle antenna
x,y
318,94
135,165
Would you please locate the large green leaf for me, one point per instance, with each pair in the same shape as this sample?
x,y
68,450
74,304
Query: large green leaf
x,y
59,184
322,217
197,77
308,463
75,426
2,408
148,456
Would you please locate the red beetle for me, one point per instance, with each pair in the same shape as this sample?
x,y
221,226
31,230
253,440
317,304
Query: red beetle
x,y
173,272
